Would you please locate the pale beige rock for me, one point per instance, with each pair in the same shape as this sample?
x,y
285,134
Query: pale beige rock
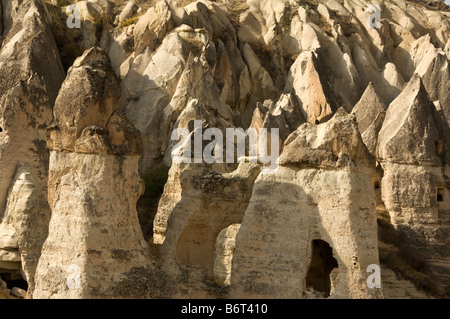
x,y
411,128
190,198
225,245
370,135
320,146
9,255
447,49
368,108
128,11
257,64
92,102
411,148
19,292
4,292
28,88
258,73
323,204
27,217
152,27
436,76
88,10
100,241
285,115
9,265
306,80
119,46
206,14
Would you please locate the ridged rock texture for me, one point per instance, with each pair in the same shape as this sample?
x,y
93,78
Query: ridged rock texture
x,y
362,177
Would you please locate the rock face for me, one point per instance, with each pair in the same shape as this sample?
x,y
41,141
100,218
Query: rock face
x,y
28,88
413,147
330,204
24,227
93,189
357,114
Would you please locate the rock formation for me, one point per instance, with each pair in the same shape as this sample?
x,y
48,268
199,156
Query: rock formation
x,y
28,88
92,147
356,109
324,197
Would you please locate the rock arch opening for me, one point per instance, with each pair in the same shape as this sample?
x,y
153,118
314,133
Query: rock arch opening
x,y
322,270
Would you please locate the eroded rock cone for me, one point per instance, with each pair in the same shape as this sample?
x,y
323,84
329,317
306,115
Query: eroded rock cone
x,y
95,247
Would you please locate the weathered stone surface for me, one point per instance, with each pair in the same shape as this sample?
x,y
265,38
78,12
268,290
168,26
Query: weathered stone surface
x,y
224,230
4,292
20,293
152,27
411,128
197,205
333,203
25,222
337,144
119,46
370,135
368,108
412,146
96,181
225,245
307,81
28,89
285,115
128,11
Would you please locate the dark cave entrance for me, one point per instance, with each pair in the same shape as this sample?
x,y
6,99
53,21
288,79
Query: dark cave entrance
x,y
14,280
320,267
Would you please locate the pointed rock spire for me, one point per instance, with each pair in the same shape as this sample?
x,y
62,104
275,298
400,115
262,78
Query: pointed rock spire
x,y
410,129
368,108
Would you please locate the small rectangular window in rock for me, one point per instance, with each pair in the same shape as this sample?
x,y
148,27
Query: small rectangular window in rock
x,y
440,195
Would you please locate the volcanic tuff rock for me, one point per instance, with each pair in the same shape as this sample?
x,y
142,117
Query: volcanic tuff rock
x,y
363,173
93,190
330,199
28,89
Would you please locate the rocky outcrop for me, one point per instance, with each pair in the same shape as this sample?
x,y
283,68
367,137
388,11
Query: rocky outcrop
x,y
93,189
28,88
412,150
368,108
198,204
24,227
224,252
330,202
362,113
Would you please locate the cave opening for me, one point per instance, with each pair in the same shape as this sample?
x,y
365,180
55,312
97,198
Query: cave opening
x,y
13,280
321,265
440,195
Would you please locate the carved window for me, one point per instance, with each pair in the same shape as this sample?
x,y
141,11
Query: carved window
x,y
440,195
